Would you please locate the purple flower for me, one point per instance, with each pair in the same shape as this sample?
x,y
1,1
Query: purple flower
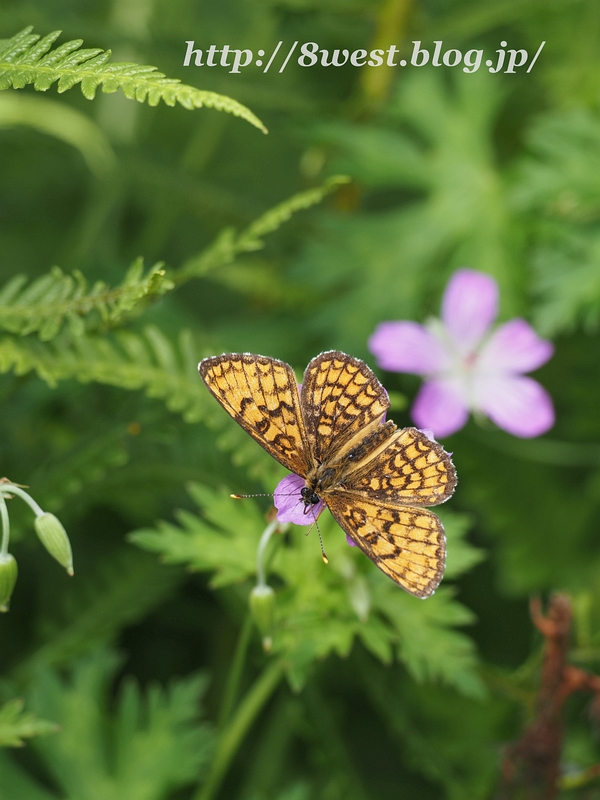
x,y
290,503
465,366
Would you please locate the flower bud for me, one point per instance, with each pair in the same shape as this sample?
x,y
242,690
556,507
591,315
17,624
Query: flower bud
x,y
8,578
54,538
262,604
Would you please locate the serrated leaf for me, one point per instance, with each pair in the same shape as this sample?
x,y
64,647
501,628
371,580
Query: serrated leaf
x,y
43,305
322,610
461,555
153,745
226,547
17,724
22,63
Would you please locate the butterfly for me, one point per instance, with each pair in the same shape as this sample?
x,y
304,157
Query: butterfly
x,y
375,478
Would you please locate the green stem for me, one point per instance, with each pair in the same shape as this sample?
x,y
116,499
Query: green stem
x,y
5,527
261,573
235,673
10,488
233,734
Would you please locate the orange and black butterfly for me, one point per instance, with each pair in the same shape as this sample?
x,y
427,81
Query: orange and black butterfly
x,y
376,479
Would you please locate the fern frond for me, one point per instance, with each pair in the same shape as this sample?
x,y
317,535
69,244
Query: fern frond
x,y
129,361
16,725
27,59
43,306
229,244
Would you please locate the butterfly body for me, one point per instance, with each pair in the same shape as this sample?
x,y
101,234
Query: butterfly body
x,y
375,478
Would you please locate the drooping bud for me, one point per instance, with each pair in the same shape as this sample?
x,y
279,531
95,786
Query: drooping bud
x,y
8,578
262,605
54,538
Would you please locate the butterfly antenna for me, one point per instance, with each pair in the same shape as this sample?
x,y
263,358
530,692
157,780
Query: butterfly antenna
x,y
265,494
243,496
323,553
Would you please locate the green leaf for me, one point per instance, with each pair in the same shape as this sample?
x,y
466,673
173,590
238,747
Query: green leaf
x,y
228,244
427,641
44,305
16,724
129,360
434,141
320,610
153,744
26,59
461,556
560,174
225,544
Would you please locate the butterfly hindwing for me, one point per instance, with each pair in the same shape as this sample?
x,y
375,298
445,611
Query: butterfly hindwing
x,y
411,469
340,397
408,544
261,394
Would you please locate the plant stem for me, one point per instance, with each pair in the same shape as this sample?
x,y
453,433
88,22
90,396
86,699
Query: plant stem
x,y
5,527
260,552
235,673
234,732
10,488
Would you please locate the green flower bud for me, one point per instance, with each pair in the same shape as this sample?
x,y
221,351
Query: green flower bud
x,y
8,578
54,538
262,605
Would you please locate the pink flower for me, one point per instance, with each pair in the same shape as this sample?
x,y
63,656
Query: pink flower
x,y
290,503
467,367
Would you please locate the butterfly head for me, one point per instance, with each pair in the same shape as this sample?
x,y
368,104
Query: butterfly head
x,y
310,497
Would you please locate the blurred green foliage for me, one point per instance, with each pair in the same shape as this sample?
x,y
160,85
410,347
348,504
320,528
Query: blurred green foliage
x,y
251,245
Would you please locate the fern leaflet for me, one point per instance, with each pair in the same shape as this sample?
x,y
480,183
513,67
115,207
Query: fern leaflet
x,y
129,361
27,59
43,306
228,245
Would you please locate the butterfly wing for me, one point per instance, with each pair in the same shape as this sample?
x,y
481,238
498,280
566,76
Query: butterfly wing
x,y
341,397
408,469
408,544
261,394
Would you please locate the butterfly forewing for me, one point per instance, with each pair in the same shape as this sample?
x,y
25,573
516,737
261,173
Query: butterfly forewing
x,y
409,469
408,544
261,394
340,397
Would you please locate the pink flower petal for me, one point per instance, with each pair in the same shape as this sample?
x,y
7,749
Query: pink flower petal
x,y
290,503
350,541
514,347
407,347
469,306
516,403
440,407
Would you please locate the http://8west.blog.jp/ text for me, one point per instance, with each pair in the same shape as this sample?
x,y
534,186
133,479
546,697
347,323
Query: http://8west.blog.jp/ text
x,y
309,54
